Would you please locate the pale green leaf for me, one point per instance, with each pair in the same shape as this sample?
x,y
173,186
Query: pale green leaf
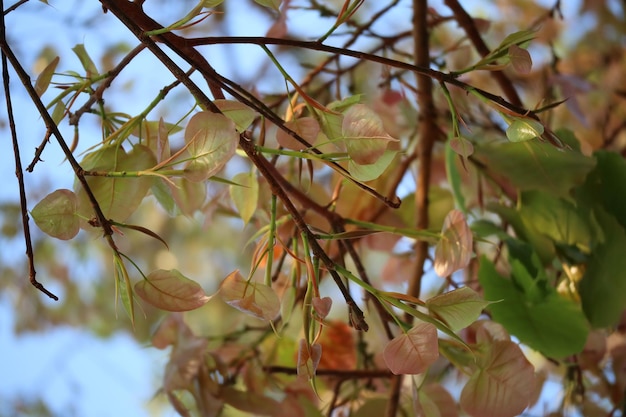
x,y
458,308
56,215
523,129
372,171
171,291
85,60
272,4
238,112
118,197
44,78
414,351
245,195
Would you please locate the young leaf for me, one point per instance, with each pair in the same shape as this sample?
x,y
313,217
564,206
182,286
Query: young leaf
x,y
56,215
43,80
454,249
462,146
503,384
414,351
306,127
458,308
523,129
338,343
213,136
372,171
85,60
118,197
171,291
520,59
362,130
272,4
308,359
434,400
238,112
245,196
322,306
253,298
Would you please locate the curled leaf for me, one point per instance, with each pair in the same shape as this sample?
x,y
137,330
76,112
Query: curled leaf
x,y
56,216
523,129
44,78
308,359
454,249
171,291
253,298
414,351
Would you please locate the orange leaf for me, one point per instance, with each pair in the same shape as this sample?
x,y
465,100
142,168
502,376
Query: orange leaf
x,y
412,352
337,341
171,291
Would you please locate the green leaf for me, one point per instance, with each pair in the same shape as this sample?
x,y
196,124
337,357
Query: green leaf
x,y
458,308
454,176
43,80
523,129
85,60
555,218
606,185
503,385
118,197
171,291
536,165
123,289
212,136
253,298
603,287
534,312
238,112
56,215
372,171
412,352
246,195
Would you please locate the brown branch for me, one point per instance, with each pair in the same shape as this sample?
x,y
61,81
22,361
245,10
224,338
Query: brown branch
x,y
341,373
469,26
20,180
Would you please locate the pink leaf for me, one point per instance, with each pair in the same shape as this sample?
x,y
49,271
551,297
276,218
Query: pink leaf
x,y
322,306
306,127
249,297
212,136
434,400
454,249
502,386
520,59
365,137
414,351
462,146
171,291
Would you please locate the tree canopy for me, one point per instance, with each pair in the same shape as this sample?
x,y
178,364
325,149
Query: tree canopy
x,y
332,207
